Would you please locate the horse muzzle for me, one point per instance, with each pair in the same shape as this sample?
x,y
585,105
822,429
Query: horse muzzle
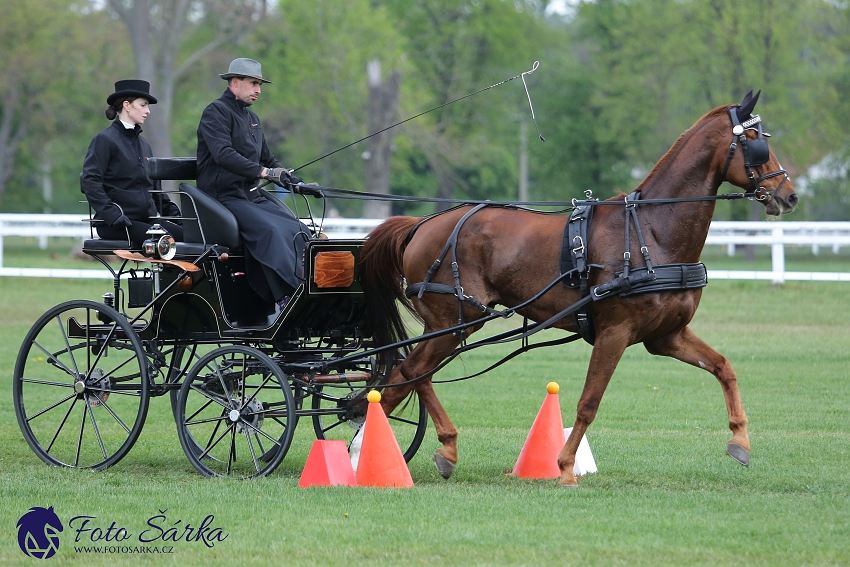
x,y
780,201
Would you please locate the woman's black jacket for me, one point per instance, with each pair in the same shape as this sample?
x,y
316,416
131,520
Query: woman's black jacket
x,y
115,177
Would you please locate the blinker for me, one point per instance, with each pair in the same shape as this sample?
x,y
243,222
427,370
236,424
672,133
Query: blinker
x,y
757,152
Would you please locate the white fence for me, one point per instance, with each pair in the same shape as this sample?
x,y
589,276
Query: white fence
x,y
777,235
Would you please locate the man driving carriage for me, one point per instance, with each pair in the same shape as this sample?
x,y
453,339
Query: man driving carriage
x,y
232,159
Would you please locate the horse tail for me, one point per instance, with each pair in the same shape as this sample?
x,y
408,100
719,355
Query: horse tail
x,y
381,275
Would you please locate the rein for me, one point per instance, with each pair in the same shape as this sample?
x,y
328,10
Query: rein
x,y
337,193
668,277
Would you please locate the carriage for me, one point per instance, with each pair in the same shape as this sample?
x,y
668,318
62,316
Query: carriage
x,y
240,372
182,320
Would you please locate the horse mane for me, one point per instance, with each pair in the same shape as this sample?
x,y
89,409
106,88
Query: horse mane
x,y
711,114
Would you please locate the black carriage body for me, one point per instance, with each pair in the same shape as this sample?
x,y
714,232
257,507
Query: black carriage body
x,y
221,305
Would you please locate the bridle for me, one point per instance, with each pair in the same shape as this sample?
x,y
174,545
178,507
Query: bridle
x,y
756,153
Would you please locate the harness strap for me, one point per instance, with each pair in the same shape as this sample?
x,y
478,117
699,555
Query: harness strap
x,y
433,287
451,244
666,277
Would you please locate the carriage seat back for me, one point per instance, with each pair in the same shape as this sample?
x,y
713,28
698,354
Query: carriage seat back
x,y
211,222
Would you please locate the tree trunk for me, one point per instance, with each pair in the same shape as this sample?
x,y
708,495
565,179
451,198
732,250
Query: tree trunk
x,y
12,129
383,112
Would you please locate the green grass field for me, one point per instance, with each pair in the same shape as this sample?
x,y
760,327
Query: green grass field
x,y
665,493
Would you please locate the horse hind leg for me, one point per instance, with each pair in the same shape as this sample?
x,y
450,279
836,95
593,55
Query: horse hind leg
x,y
688,347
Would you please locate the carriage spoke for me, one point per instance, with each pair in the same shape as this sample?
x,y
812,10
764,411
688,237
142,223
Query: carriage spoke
x,y
257,390
402,419
211,444
260,444
208,396
134,392
215,429
119,367
51,406
231,457
112,413
47,383
52,356
105,343
263,433
333,425
61,424
218,373
206,420
253,453
202,408
86,399
67,344
80,440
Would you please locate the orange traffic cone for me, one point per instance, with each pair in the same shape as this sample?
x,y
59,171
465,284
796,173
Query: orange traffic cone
x,y
327,465
381,462
539,455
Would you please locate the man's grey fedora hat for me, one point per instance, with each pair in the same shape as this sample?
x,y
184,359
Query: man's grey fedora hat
x,y
244,67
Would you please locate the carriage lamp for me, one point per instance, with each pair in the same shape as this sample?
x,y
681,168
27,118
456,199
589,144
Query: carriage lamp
x,y
159,244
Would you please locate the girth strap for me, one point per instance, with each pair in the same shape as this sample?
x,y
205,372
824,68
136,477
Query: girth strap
x,y
574,255
666,277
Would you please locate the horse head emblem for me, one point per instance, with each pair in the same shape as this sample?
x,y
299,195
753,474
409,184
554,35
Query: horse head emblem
x,y
38,532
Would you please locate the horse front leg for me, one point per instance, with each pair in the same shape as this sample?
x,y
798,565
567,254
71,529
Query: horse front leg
x,y
424,358
607,351
688,347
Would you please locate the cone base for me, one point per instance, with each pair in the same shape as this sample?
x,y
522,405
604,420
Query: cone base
x,y
327,465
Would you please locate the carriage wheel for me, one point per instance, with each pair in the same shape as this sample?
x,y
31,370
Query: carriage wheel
x,y
340,413
81,386
236,414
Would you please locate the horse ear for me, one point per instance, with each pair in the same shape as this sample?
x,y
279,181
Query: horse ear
x,y
747,105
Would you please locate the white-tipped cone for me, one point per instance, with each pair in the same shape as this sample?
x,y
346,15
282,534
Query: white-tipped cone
x,y
585,463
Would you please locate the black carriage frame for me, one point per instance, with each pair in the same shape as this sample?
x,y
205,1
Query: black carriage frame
x,y
236,405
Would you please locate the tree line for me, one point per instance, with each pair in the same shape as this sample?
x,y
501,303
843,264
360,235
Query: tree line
x,y
618,82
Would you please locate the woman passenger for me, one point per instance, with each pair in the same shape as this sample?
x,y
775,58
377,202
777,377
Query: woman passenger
x,y
115,178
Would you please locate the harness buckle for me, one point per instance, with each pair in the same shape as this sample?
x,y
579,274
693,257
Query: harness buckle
x,y
627,256
580,247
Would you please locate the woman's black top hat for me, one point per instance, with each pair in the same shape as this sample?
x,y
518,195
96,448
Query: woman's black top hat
x,y
130,88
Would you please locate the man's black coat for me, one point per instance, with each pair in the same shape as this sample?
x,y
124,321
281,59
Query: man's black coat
x,y
232,150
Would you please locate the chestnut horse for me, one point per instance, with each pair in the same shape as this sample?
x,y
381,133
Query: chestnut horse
x,y
505,256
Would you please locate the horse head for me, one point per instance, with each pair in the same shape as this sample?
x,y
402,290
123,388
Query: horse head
x,y
751,164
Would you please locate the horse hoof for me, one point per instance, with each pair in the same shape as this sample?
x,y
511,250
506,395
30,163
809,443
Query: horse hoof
x,y
738,453
444,466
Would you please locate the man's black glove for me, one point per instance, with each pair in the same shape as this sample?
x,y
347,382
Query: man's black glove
x,y
122,221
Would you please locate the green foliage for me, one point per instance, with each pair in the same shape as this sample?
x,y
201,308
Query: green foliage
x,y
618,83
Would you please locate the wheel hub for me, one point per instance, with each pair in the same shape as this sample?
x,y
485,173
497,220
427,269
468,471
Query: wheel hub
x,y
95,385
250,418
